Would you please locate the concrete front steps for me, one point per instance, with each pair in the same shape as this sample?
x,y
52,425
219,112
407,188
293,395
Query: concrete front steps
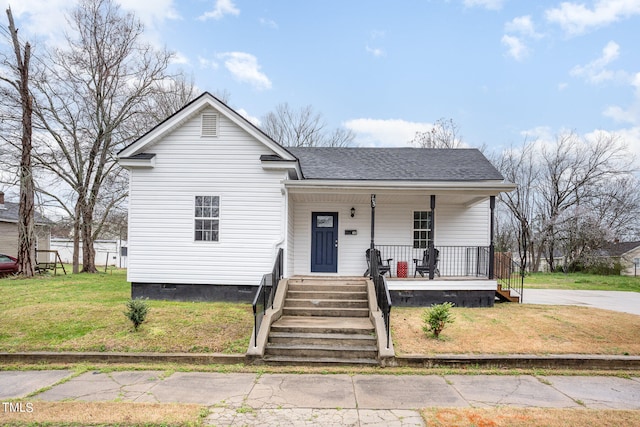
x,y
324,322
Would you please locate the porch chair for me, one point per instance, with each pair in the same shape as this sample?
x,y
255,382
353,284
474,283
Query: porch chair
x,y
422,266
383,268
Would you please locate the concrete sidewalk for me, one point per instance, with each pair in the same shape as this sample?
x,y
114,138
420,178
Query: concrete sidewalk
x,y
324,400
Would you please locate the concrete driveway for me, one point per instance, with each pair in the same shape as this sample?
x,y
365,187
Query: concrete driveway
x,y
626,302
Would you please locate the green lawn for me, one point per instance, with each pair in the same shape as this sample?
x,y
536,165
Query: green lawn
x,y
582,281
85,312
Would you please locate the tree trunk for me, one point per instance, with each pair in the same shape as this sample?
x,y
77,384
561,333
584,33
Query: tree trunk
x,y
26,237
88,251
76,239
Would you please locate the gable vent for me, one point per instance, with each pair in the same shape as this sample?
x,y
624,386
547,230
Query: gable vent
x,y
209,124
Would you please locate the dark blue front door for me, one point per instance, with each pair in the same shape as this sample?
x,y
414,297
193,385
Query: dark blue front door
x,y
324,242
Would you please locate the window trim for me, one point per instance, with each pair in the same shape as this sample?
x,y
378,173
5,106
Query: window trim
x,y
213,218
414,230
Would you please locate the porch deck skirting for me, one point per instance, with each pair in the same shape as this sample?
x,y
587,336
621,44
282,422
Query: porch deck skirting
x,y
463,292
193,292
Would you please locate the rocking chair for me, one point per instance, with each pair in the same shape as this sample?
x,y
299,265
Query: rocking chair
x,y
423,266
383,268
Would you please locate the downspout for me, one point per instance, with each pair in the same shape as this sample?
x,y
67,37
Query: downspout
x,y
284,228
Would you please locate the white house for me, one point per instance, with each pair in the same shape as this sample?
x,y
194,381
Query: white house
x,y
213,199
9,218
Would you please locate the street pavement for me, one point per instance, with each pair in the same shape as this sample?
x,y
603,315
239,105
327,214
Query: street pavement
x,y
626,302
239,399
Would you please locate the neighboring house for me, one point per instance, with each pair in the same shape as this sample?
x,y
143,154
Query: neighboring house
x,y
628,253
212,200
9,229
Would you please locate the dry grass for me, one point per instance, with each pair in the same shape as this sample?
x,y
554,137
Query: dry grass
x,y
529,417
106,413
520,329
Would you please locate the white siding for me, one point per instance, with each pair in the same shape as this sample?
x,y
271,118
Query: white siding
x,y
456,225
161,209
290,248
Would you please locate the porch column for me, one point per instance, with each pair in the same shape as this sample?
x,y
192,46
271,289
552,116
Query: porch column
x,y
432,231
492,249
373,265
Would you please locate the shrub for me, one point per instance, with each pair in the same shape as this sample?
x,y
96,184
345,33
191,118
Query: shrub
x,y
137,310
436,317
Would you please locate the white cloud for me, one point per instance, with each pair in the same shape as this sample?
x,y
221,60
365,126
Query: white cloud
x,y
245,68
377,52
631,137
207,63
180,58
39,17
152,13
630,114
562,86
221,8
576,18
515,47
269,23
539,133
522,25
596,71
487,4
47,17
621,115
246,115
385,133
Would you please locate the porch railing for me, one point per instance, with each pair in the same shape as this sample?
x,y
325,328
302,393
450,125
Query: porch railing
x,y
383,299
453,261
266,293
509,274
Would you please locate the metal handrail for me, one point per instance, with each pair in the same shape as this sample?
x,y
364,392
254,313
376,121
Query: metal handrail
x,y
263,298
510,275
383,298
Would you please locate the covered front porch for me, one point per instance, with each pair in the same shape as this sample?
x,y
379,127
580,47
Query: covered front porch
x,y
330,229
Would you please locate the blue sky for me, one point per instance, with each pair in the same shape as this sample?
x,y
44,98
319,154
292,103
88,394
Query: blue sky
x,y
501,69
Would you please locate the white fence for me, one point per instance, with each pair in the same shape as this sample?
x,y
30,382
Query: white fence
x,y
108,252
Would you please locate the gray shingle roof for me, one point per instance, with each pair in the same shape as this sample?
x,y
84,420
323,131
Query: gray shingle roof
x,y
620,248
408,164
10,214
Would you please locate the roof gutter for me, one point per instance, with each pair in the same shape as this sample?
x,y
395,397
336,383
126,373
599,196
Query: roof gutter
x,y
319,186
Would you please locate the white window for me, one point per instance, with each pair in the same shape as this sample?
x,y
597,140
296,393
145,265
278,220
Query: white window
x,y
207,218
421,229
209,124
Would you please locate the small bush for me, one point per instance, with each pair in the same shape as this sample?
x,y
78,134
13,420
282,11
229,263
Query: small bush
x,y
436,317
137,310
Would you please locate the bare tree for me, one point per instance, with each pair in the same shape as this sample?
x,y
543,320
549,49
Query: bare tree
x,y
91,101
571,172
518,165
20,83
573,196
444,133
303,128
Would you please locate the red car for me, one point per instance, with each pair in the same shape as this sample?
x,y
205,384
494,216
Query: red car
x,y
8,265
